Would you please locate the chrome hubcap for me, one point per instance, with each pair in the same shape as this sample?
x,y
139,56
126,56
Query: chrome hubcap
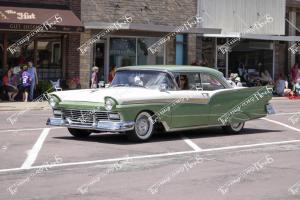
x,y
142,126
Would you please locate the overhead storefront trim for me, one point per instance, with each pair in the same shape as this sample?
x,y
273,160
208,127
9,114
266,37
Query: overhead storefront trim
x,y
26,19
151,27
256,37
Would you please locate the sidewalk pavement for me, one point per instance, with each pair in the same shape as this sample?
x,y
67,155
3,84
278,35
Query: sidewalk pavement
x,y
13,106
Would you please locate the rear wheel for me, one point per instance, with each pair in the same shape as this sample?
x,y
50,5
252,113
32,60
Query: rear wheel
x,y
79,132
143,128
233,128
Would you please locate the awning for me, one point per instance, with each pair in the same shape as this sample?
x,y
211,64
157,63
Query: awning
x,y
26,19
257,37
151,28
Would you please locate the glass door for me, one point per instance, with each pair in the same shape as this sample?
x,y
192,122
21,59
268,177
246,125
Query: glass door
x,y
98,60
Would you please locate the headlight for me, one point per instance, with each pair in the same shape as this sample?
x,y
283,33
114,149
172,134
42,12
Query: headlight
x,y
53,101
109,103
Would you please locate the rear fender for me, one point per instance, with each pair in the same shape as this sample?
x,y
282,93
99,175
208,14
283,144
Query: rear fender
x,y
239,104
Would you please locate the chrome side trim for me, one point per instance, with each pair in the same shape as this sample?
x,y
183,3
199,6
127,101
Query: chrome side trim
x,y
200,101
168,129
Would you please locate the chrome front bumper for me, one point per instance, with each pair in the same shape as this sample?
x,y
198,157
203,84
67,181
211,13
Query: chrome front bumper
x,y
99,126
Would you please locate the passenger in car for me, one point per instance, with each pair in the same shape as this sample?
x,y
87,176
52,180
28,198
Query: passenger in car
x,y
183,82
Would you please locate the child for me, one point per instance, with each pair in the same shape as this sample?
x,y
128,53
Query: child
x,y
94,78
26,79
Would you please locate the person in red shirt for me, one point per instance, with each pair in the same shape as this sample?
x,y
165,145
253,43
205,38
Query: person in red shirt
x,y
11,90
112,73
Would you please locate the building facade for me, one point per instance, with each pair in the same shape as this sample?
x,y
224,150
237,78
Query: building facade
x,y
94,27
223,21
45,32
129,44
256,44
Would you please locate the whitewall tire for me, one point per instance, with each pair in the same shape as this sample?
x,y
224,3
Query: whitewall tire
x,y
143,128
233,128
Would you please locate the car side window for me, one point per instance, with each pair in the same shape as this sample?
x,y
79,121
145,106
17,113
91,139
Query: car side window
x,y
210,83
188,81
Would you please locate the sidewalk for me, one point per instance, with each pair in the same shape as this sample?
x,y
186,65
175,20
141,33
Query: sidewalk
x,y
14,106
280,98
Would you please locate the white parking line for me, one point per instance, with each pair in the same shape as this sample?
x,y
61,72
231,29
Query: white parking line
x,y
191,144
29,129
282,124
292,113
32,154
153,155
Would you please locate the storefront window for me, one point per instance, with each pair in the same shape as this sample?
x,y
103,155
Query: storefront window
x,y
49,59
23,53
145,57
122,51
134,51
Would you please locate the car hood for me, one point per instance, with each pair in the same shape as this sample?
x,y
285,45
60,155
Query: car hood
x,y
121,94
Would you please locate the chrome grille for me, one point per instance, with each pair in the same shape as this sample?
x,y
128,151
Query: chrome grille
x,y
86,116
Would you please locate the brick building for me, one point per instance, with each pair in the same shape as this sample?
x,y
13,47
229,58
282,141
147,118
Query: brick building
x,y
52,29
128,45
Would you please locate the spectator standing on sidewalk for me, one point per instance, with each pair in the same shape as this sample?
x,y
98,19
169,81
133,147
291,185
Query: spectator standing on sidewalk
x,y
34,80
112,73
26,82
94,79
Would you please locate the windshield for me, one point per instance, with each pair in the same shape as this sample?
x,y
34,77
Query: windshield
x,y
142,78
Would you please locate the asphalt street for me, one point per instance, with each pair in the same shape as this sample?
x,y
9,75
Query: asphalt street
x,y
261,163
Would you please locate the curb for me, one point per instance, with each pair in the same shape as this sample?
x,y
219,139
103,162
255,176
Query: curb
x,y
22,109
22,106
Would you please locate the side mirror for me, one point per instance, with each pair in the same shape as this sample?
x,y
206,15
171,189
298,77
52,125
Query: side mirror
x,y
199,87
163,87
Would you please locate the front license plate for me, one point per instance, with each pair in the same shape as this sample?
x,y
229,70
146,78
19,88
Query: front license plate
x,y
270,109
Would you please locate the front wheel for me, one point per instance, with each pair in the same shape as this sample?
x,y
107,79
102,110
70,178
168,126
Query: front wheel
x,y
79,132
233,128
143,128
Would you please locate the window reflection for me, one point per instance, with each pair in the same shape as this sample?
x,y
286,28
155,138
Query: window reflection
x,y
126,51
144,56
123,52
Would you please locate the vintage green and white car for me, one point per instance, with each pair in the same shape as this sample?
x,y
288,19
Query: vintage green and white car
x,y
142,100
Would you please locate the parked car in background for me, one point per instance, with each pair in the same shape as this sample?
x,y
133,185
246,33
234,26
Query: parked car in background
x,y
145,99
